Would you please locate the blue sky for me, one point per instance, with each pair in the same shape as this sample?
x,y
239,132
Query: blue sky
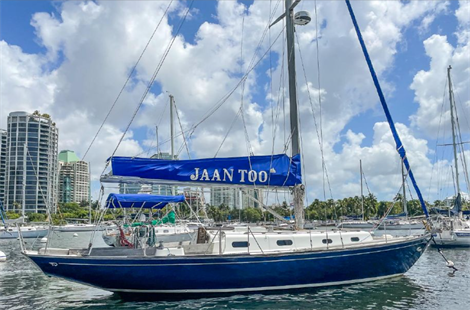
x,y
16,29
19,26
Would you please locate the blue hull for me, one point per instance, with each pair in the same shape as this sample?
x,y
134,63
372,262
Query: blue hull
x,y
236,273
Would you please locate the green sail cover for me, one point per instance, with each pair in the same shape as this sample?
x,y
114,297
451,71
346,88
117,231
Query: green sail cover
x,y
169,218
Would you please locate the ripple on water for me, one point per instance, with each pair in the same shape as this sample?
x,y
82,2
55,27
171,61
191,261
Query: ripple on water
x,y
425,286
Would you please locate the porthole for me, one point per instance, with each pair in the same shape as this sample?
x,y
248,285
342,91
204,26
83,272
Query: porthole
x,y
355,239
324,241
283,242
240,244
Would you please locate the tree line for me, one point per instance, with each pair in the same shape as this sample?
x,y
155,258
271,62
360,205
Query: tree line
x,y
316,210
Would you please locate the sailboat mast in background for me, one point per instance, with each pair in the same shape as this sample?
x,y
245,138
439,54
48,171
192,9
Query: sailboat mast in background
x,y
454,144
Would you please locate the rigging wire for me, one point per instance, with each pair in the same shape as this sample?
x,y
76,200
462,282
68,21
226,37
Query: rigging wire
x,y
461,145
228,131
127,80
247,136
280,99
190,131
260,42
436,144
224,99
325,173
182,132
365,181
149,86
318,127
156,143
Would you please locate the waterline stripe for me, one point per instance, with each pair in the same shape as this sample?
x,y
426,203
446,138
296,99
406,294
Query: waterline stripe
x,y
254,289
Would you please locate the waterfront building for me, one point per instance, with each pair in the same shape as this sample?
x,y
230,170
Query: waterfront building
x,y
3,164
34,170
225,196
74,178
231,197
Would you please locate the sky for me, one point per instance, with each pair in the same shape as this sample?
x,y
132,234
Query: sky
x,y
71,59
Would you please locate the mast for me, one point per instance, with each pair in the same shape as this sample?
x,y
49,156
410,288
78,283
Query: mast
x,y
25,150
403,177
172,137
294,122
172,133
89,193
362,192
454,144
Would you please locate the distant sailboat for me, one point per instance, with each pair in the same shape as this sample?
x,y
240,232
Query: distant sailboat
x,y
358,224
402,222
454,230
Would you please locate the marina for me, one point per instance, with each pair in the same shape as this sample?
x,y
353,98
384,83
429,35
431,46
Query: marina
x,y
23,286
202,220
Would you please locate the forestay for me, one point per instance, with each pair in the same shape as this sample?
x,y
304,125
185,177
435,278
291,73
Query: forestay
x,y
276,170
141,200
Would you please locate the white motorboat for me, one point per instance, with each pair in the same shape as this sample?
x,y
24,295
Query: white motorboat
x,y
10,232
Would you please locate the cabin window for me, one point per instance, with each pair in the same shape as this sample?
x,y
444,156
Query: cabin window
x,y
354,239
240,244
284,242
166,231
325,241
156,231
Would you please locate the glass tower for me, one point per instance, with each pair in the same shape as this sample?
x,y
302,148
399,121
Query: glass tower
x,y
31,176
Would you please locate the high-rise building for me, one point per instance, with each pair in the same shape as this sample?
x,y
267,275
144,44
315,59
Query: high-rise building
x,y
3,164
31,162
225,196
231,197
74,178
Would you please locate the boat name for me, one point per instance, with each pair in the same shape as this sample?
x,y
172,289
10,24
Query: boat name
x,y
226,175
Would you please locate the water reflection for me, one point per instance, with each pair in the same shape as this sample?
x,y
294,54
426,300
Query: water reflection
x,y
425,286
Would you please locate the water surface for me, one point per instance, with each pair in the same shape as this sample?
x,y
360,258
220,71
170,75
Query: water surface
x,y
426,286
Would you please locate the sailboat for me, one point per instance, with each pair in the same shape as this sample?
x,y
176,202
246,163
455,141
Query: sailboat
x,y
358,224
401,221
230,261
453,230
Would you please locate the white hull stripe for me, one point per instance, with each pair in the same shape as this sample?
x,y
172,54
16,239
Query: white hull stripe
x,y
253,289
231,263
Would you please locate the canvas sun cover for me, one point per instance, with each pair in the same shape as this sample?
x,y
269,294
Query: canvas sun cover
x,y
275,170
141,200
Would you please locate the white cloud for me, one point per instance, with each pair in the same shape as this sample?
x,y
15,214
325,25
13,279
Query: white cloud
x,y
431,93
99,43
